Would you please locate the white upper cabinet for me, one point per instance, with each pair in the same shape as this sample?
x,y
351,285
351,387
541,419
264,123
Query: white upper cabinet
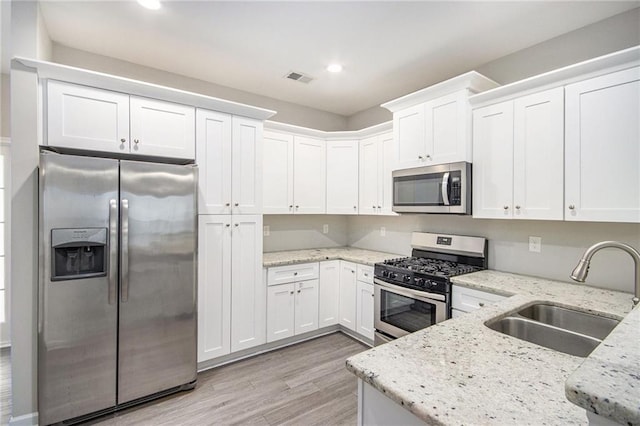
x,y
375,165
162,129
342,177
518,158
246,172
309,175
213,154
277,173
229,156
87,118
433,126
602,148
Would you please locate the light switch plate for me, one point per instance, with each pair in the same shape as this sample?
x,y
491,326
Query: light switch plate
x,y
535,244
325,229
266,231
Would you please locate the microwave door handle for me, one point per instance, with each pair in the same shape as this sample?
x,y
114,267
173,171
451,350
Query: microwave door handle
x,y
444,187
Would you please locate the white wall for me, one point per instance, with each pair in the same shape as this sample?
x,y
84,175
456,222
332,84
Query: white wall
x,y
287,112
563,244
291,232
5,116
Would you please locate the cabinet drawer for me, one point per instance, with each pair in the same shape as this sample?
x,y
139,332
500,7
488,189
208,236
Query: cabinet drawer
x,y
291,273
365,273
467,299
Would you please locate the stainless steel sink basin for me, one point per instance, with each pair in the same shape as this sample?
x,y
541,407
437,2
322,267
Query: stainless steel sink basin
x,y
561,329
568,319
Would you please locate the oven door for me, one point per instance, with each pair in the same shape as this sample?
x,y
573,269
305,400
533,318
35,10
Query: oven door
x,y
400,311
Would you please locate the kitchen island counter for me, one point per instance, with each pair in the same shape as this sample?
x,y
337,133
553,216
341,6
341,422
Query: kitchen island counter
x,y
461,372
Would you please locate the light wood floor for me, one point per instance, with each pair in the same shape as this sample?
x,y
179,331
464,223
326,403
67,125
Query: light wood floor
x,y
303,384
5,385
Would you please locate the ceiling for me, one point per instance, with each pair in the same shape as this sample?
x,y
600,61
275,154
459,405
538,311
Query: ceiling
x,y
388,49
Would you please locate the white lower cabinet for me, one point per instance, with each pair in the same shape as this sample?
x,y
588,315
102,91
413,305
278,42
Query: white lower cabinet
x,y
292,307
348,295
465,299
364,309
329,293
231,293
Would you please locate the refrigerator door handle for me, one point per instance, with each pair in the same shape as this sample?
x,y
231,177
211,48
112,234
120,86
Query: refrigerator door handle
x,y
113,250
124,251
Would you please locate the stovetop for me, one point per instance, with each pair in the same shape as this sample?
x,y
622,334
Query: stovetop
x,y
435,267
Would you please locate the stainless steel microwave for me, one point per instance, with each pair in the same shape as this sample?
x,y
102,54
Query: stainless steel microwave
x,y
445,188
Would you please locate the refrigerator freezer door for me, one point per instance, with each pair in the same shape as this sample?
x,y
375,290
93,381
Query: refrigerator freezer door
x,y
77,319
157,330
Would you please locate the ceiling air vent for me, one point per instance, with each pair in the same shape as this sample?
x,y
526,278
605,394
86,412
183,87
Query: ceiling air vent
x,y
298,76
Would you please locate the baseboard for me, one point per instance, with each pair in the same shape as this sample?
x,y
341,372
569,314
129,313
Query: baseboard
x,y
30,419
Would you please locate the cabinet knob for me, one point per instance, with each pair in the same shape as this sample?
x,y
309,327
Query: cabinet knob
x,y
481,304
123,140
236,225
517,207
298,291
420,157
295,273
290,206
136,141
506,207
297,207
373,295
379,207
428,157
353,272
236,204
572,207
228,204
355,207
228,225
291,292
373,207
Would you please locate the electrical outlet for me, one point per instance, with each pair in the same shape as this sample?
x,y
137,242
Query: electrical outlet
x,y
325,229
383,231
266,231
535,244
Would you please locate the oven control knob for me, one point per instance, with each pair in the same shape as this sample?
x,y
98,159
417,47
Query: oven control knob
x,y
385,273
406,278
420,282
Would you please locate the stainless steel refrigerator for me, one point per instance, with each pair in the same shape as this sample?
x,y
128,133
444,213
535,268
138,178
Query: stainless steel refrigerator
x,y
117,292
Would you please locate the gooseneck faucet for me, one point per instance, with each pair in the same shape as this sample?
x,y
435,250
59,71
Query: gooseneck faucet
x,y
582,269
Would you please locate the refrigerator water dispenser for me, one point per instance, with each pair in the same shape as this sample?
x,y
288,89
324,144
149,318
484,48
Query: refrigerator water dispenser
x,y
78,253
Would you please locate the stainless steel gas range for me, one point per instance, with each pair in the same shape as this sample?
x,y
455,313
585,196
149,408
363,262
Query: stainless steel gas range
x,y
413,293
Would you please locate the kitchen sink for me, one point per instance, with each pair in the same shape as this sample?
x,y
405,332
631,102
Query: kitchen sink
x,y
561,329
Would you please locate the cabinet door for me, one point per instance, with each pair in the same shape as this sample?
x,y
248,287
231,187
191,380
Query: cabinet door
x,y
447,121
246,187
85,118
306,310
364,309
329,293
248,291
493,161
162,129
213,156
277,179
538,150
280,311
348,294
369,177
602,152
342,177
214,286
386,164
309,175
409,128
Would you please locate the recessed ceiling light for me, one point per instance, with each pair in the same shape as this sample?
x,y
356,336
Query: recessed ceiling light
x,y
334,68
150,4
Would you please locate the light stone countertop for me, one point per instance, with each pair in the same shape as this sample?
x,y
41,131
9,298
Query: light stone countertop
x,y
461,372
351,254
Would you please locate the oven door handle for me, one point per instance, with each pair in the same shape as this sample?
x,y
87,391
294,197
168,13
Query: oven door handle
x,y
444,188
420,295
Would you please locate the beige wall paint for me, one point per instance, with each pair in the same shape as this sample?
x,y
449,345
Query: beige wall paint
x,y
287,112
5,116
294,232
610,35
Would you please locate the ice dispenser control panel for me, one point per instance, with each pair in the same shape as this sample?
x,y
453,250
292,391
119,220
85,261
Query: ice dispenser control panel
x,y
78,253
